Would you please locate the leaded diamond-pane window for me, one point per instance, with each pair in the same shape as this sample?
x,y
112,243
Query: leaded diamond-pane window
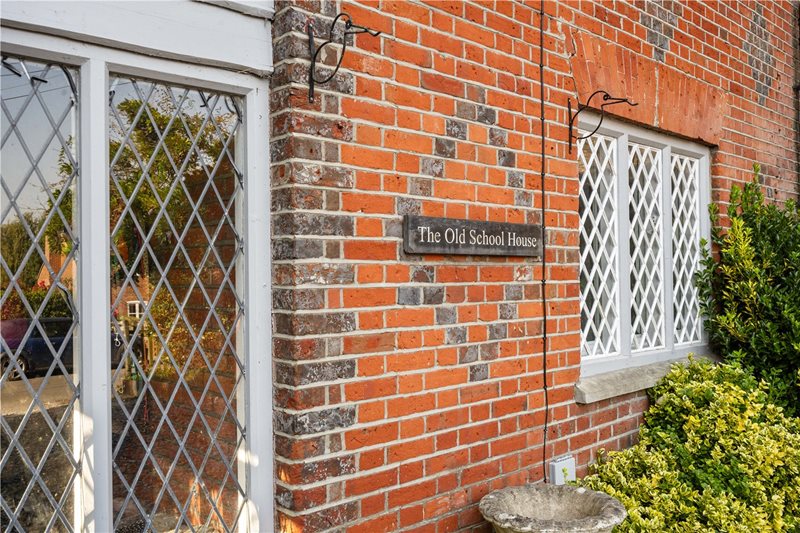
x,y
598,208
685,247
645,247
38,322
175,248
641,196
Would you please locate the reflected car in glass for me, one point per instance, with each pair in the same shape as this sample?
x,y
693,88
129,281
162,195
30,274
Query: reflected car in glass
x,y
38,351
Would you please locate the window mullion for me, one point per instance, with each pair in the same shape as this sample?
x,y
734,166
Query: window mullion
x,y
623,252
94,510
667,265
256,231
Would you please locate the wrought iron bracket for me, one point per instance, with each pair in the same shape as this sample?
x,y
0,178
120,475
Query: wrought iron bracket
x,y
350,28
607,100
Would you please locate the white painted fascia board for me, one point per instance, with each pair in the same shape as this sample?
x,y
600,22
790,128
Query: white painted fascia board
x,y
193,32
255,8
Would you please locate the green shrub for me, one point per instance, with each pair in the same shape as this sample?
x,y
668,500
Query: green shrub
x,y
750,295
713,455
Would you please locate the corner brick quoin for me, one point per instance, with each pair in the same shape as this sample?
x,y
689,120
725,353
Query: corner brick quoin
x,y
407,387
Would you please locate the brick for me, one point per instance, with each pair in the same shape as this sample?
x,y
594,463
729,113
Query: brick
x,y
442,84
371,435
409,317
370,250
456,128
385,524
315,421
422,374
369,343
375,388
368,111
365,157
367,203
371,483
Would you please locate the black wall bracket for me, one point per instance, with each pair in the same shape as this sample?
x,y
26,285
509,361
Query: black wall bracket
x,y
607,100
350,28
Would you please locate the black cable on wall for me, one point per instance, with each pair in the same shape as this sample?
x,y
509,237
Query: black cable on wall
x,y
544,247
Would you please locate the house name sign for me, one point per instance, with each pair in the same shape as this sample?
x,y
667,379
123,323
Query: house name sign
x,y
449,236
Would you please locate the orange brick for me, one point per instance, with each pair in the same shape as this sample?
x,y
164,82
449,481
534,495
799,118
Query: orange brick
x,y
368,111
367,203
372,250
442,84
371,483
369,436
366,157
409,317
379,342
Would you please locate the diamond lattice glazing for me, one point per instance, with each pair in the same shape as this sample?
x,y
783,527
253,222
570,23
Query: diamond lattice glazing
x,y
40,170
598,211
685,247
178,417
646,248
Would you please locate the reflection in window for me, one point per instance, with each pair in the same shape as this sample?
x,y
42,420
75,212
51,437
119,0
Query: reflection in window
x,y
37,277
136,309
177,413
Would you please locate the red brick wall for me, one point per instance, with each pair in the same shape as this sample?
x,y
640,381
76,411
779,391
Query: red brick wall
x,y
408,387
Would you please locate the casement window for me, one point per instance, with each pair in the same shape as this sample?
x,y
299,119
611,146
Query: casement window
x,y
136,308
134,279
643,199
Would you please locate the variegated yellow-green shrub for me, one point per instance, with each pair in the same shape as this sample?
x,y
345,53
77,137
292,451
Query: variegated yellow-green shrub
x,y
713,455
750,291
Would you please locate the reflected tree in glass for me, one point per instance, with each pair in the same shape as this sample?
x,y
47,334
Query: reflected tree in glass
x,y
174,247
39,466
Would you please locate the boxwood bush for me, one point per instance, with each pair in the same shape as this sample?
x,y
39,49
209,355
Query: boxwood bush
x,y
714,455
750,293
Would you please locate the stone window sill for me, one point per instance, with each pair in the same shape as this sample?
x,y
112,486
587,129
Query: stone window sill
x,y
619,382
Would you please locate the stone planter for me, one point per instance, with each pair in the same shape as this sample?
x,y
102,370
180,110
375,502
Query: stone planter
x,y
551,508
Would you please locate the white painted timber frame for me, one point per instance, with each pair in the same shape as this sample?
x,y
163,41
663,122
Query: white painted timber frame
x,y
227,34
169,42
625,133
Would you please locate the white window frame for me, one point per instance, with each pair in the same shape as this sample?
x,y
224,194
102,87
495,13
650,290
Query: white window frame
x,y
623,133
139,306
93,492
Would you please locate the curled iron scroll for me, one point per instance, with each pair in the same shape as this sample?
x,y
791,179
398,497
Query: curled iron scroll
x,y
350,28
607,100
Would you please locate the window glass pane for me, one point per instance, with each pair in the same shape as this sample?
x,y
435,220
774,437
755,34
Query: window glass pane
x,y
646,247
598,212
37,278
685,247
175,245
